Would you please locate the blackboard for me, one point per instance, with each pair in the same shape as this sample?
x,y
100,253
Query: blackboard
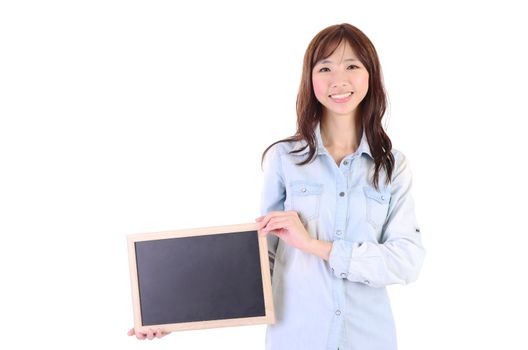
x,y
200,278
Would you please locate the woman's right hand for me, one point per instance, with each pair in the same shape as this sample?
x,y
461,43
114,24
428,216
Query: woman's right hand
x,y
150,334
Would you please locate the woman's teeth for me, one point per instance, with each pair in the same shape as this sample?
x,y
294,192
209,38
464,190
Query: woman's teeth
x,y
341,96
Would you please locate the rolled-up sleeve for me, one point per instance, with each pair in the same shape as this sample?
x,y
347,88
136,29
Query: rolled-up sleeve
x,y
273,194
398,257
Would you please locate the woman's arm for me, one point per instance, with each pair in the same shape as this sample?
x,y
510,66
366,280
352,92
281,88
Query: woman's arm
x,y
399,256
273,195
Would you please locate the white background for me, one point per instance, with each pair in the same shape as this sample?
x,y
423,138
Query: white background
x,y
122,117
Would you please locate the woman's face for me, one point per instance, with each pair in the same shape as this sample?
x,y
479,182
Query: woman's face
x,y
340,81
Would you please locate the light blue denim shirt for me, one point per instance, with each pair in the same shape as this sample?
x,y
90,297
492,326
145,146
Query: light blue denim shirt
x,y
341,303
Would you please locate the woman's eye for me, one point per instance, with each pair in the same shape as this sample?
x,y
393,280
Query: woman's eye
x,y
325,69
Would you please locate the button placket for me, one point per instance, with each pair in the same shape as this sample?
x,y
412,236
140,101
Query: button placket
x,y
342,207
339,232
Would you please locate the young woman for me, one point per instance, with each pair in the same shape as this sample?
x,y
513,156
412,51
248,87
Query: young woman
x,y
337,207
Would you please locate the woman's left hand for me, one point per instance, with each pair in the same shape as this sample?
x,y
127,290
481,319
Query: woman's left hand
x,y
287,226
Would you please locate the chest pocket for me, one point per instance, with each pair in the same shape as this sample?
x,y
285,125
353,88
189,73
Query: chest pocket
x,y
377,205
306,198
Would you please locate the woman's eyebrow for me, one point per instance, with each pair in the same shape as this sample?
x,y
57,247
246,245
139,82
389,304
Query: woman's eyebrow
x,y
347,60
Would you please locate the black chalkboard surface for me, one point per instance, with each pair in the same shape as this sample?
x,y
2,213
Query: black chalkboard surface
x,y
200,278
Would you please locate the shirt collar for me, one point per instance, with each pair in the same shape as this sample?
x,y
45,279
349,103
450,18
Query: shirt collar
x,y
362,148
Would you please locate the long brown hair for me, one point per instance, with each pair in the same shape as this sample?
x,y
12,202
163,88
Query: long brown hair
x,y
372,108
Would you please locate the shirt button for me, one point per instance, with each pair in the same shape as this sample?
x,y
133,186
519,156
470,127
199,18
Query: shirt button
x,y
366,281
342,194
382,198
338,312
345,162
343,275
304,190
339,233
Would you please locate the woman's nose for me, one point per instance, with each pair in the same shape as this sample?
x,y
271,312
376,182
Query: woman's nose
x,y
340,83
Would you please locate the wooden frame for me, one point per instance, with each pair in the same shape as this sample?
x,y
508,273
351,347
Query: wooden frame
x,y
134,243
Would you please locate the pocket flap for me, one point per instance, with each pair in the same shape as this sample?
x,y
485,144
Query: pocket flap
x,y
306,188
382,197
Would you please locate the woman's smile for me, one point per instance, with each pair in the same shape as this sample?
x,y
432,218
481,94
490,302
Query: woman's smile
x,y
342,98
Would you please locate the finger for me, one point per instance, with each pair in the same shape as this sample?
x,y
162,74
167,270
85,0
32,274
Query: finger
x,y
273,225
265,219
140,335
260,224
259,230
161,334
150,334
263,233
270,220
131,332
158,333
261,221
276,223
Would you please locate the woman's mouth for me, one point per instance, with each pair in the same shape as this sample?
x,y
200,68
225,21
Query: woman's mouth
x,y
342,97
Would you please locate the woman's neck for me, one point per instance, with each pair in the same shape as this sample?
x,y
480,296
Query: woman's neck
x,y
339,134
